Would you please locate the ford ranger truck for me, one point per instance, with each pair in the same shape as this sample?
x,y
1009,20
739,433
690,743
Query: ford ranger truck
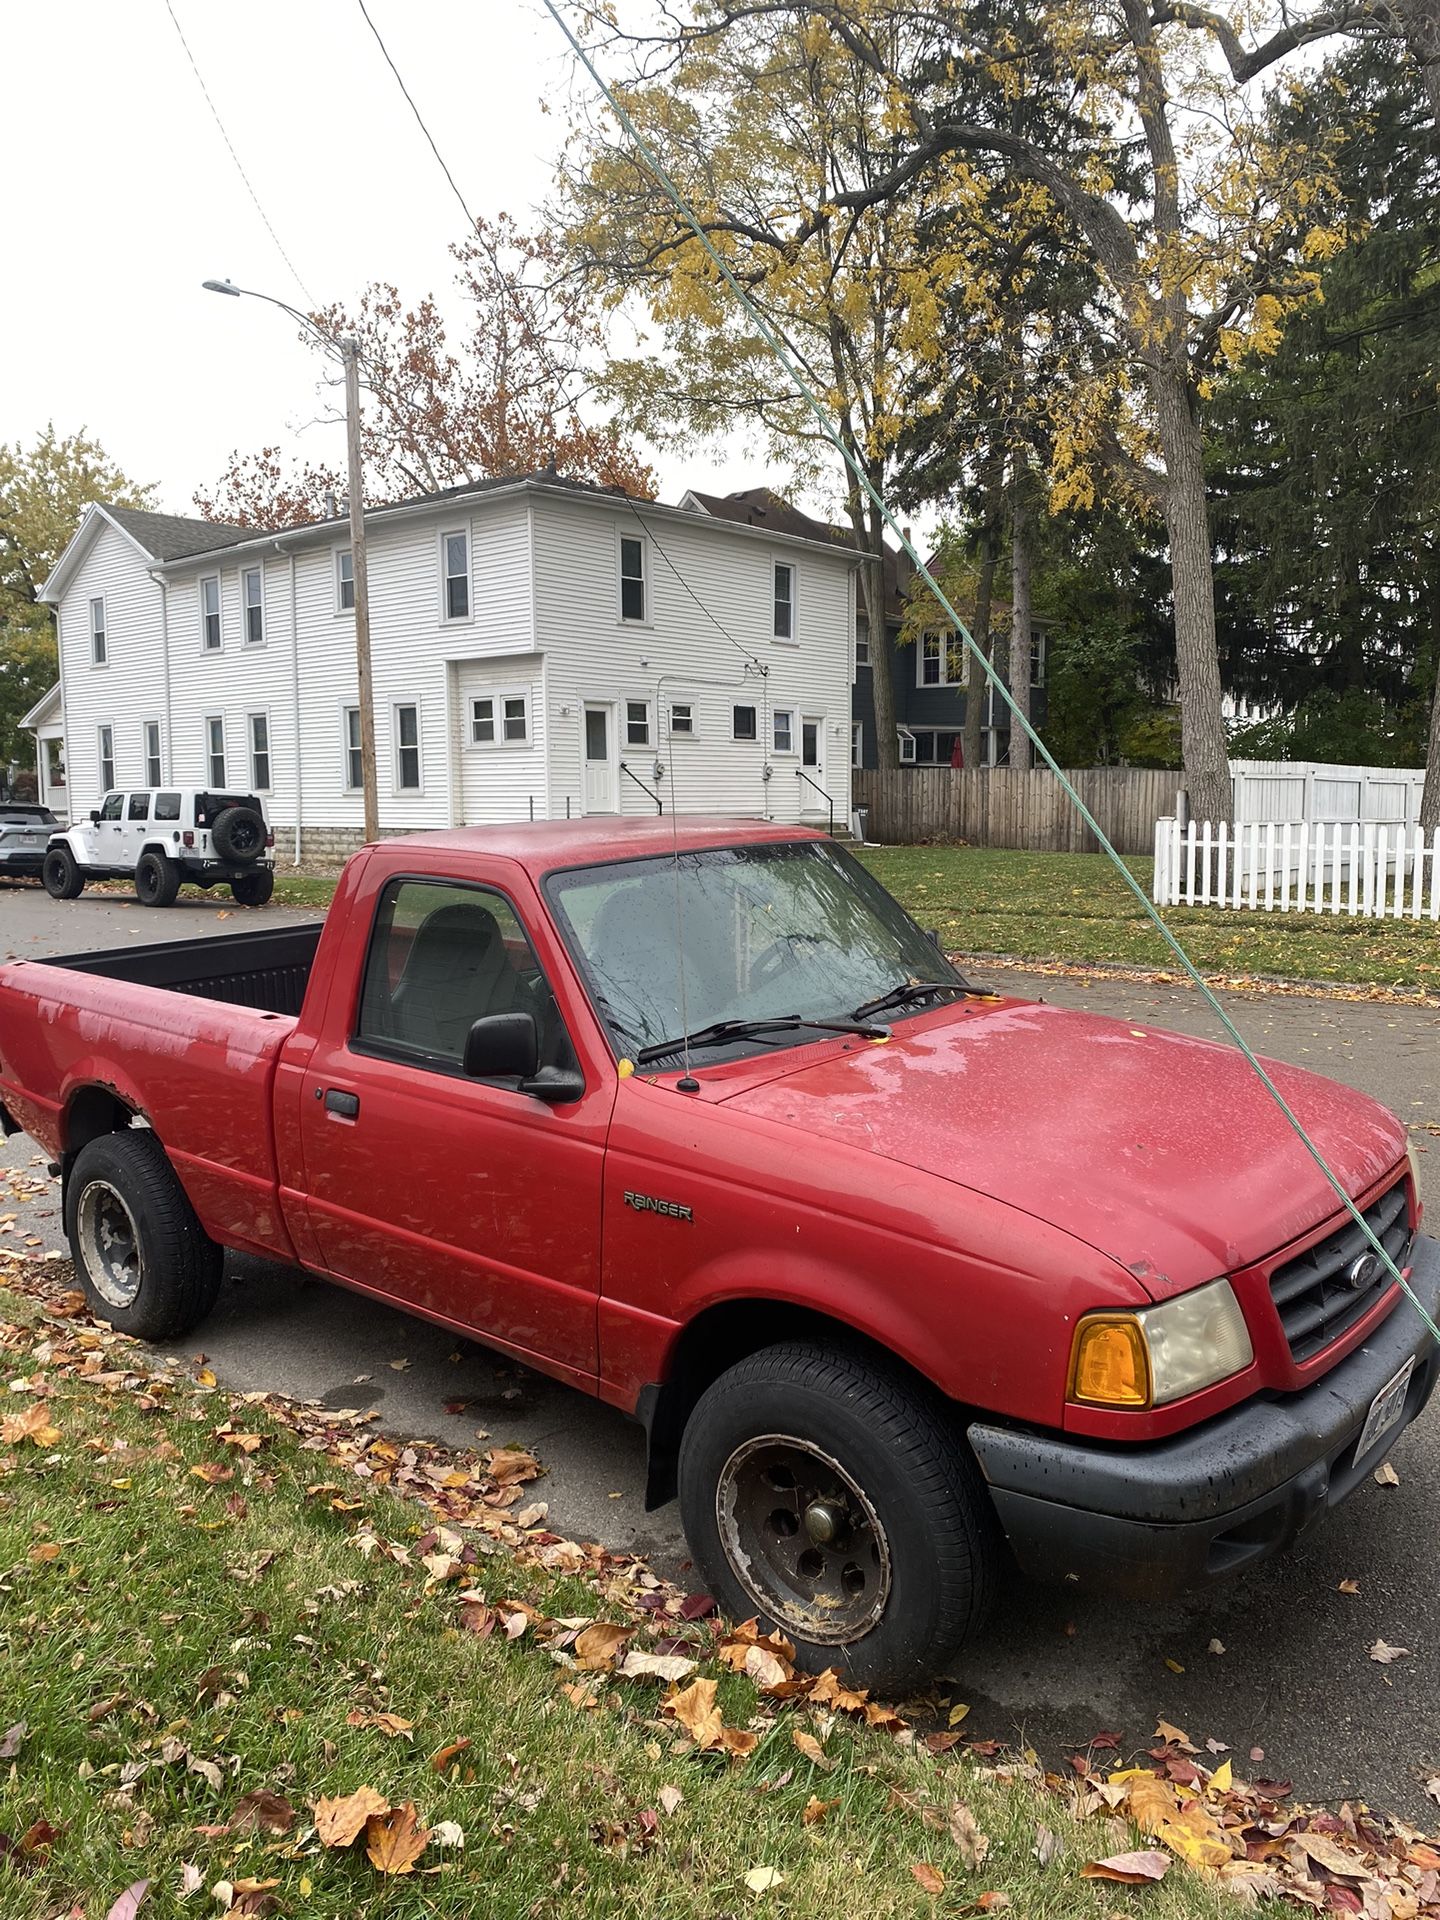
x,y
902,1277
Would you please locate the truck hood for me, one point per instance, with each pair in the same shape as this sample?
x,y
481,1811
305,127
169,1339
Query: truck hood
x,y
1164,1152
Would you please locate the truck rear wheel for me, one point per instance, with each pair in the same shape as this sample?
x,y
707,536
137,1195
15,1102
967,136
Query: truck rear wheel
x,y
144,1260
825,1492
157,880
253,889
61,875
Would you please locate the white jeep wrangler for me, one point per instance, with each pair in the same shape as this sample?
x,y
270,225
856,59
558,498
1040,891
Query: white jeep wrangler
x,y
163,836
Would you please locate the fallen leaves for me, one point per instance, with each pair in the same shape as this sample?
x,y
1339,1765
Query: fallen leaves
x,y
1385,1476
763,1879
1385,1653
34,1425
929,1879
395,1840
128,1905
1129,1869
338,1822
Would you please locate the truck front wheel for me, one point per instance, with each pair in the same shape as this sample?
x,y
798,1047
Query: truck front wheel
x,y
144,1260
61,874
826,1492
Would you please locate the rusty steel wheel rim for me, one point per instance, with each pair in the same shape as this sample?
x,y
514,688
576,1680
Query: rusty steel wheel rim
x,y
109,1244
803,1539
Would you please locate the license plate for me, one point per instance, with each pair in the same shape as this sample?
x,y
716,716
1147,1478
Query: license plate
x,y
1385,1409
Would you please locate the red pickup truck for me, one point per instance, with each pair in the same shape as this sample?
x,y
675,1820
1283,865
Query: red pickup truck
x,y
692,1115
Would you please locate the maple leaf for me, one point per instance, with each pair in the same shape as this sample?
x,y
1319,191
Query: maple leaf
x,y
395,1840
929,1879
698,1714
338,1821
815,1810
32,1425
597,1645
1130,1869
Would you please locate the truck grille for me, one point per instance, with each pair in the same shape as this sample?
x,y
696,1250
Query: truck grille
x,y
1315,1295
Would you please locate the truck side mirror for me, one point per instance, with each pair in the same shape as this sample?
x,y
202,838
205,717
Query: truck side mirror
x,y
94,816
932,934
500,1046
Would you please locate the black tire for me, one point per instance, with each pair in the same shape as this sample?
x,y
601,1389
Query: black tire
x,y
157,880
254,889
122,1188
61,875
238,834
926,1575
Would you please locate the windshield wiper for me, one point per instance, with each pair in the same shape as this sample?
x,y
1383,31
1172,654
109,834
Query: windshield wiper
x,y
719,1031
909,990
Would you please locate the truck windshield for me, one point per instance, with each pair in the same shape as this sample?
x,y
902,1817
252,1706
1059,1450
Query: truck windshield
x,y
674,944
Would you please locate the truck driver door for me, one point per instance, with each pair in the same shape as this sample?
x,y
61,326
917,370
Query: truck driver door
x,y
464,1198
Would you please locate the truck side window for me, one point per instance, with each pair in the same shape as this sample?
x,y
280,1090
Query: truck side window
x,y
139,807
111,808
167,806
442,956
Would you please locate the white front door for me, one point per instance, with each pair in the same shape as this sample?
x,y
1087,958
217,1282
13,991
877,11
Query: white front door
x,y
813,803
602,772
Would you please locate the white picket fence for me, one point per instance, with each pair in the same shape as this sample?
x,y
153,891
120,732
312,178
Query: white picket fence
x,y
1375,871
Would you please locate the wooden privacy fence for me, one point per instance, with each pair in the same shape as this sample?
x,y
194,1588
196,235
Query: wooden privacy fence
x,y
1013,806
1377,872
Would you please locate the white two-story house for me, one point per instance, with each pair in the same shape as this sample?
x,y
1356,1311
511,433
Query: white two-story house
x,y
540,648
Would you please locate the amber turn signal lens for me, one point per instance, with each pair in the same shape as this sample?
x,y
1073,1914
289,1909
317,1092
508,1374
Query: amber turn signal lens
x,y
1109,1366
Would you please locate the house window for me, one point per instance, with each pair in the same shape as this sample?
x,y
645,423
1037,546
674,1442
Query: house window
x,y
210,613
932,660
407,749
862,646
107,757
215,750
784,730
632,579
354,759
260,752
907,746
500,719
344,580
784,601
153,771
637,723
455,550
682,718
1037,658
252,599
857,743
98,654
745,723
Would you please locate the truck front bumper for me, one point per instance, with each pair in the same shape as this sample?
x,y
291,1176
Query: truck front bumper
x,y
1150,1521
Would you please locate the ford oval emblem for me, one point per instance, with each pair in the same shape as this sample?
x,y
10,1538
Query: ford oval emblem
x,y
1364,1271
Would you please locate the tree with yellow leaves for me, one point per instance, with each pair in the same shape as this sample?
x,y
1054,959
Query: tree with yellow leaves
x,y
1203,233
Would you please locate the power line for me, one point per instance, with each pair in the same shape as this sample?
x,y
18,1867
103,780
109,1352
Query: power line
x,y
713,618
470,220
239,168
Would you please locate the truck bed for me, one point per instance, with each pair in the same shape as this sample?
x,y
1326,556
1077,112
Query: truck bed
x,y
267,970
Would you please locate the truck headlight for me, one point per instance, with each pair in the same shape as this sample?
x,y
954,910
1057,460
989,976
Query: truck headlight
x,y
1162,1353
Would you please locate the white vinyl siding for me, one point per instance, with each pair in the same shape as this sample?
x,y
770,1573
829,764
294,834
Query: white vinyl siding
x,y
99,640
252,606
211,631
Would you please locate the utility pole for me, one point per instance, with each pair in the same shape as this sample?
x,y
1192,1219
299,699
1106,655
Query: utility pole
x,y
350,354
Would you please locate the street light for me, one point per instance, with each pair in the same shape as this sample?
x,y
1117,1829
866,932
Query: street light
x,y
347,348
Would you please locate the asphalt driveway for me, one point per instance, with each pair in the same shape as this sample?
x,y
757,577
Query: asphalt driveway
x,y
1294,1678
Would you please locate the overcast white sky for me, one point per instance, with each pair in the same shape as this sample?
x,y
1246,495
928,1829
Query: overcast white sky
x,y
131,200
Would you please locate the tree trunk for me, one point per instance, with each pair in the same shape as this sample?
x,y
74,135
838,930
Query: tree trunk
x,y
977,687
1197,659
1430,795
1020,755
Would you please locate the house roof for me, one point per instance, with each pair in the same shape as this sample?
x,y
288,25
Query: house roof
x,y
169,536
759,507
47,707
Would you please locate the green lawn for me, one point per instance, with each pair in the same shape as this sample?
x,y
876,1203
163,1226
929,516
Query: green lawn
x,y
1076,907
205,1628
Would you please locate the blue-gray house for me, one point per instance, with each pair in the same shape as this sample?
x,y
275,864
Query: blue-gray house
x,y
928,676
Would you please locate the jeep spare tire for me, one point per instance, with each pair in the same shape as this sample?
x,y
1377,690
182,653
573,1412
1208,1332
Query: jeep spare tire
x,y
238,834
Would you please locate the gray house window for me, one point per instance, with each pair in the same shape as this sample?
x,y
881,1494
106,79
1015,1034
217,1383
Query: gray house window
x,y
153,773
98,643
215,750
260,752
632,579
456,550
745,723
354,759
407,749
637,723
344,580
784,601
107,757
252,595
210,612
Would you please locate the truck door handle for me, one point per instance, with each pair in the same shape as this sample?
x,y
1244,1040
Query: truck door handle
x,y
346,1105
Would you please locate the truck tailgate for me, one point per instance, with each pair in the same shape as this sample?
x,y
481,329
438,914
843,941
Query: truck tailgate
x,y
199,1072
